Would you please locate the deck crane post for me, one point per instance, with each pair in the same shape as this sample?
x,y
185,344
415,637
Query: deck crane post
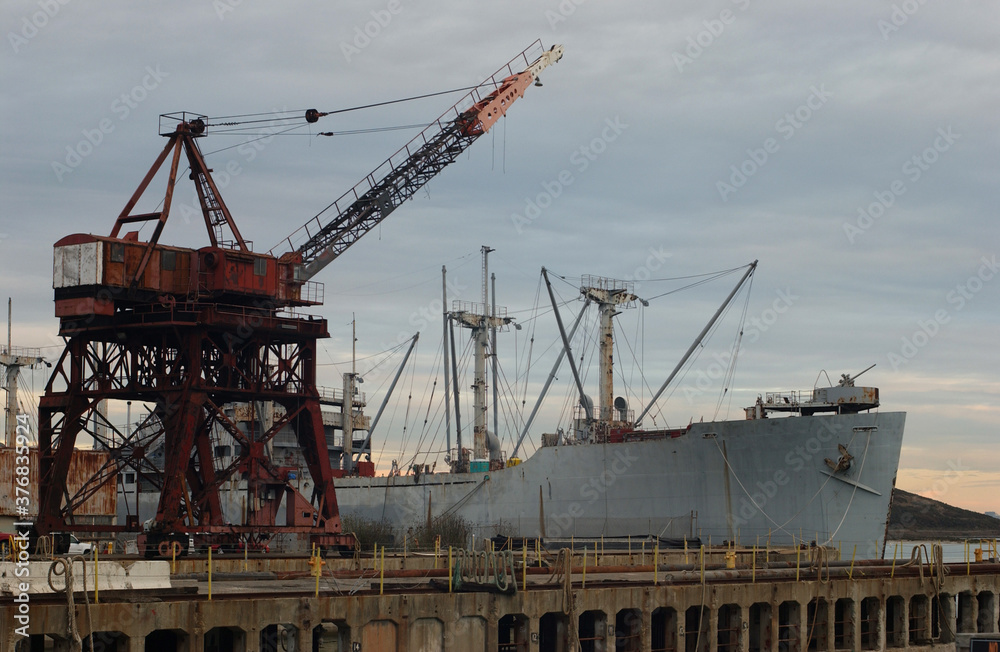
x,y
193,330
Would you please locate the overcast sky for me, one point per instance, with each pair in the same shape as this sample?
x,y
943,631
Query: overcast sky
x,y
851,147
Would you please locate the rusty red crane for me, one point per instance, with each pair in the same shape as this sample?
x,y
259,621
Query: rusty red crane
x,y
193,330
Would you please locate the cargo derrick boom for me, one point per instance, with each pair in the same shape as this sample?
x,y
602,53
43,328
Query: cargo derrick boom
x,y
192,330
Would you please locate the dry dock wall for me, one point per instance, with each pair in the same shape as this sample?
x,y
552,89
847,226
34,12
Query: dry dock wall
x,y
623,612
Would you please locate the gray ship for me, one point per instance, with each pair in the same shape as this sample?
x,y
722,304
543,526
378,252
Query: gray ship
x,y
816,465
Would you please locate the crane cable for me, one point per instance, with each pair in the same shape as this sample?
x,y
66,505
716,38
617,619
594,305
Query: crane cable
x,y
312,115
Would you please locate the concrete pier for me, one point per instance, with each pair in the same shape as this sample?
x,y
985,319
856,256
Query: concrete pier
x,y
867,606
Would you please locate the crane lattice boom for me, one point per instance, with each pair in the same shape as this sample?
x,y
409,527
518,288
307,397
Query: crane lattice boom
x,y
403,174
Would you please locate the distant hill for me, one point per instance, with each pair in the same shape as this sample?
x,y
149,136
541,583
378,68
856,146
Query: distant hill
x,y
915,517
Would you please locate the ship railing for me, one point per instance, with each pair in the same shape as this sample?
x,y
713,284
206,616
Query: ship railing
x,y
21,351
605,283
793,397
473,308
336,395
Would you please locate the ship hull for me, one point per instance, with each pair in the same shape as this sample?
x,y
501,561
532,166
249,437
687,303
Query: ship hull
x,y
747,481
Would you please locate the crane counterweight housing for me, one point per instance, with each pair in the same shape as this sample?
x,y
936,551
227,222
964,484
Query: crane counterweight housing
x,y
190,331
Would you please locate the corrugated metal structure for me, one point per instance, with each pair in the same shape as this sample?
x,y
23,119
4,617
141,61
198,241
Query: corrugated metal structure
x,y
97,507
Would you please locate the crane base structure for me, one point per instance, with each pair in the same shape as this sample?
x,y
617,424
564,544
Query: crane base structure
x,y
190,360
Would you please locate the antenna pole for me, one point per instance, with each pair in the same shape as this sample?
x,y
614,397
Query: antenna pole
x,y
447,371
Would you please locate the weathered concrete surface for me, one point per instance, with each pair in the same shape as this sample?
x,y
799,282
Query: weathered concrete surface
x,y
876,608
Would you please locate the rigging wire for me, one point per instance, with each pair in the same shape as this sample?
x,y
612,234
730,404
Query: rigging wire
x,y
301,113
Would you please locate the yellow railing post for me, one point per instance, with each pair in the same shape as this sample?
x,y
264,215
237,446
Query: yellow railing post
x,y
656,563
449,569
209,571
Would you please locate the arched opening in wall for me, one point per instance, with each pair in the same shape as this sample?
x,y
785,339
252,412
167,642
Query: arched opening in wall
x,y
106,642
789,626
817,613
380,635
281,637
553,632
895,621
987,607
730,621
628,630
426,634
843,624
663,630
512,633
870,608
225,639
167,640
919,630
760,627
592,631
943,606
696,622
331,636
966,613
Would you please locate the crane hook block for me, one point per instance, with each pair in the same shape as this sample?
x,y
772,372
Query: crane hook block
x,y
312,115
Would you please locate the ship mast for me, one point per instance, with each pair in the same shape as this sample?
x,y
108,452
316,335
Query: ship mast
x,y
481,320
13,359
609,295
